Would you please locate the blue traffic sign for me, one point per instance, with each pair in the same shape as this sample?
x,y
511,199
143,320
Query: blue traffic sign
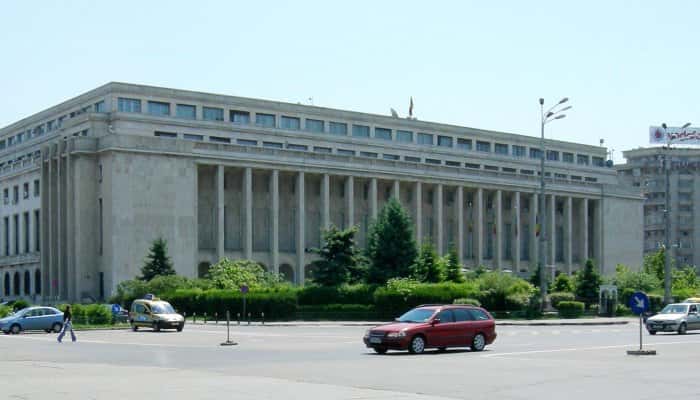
x,y
244,289
639,302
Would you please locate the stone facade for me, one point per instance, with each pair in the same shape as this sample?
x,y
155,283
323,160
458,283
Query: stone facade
x,y
226,176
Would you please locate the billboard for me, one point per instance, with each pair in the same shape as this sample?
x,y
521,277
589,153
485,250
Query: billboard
x,y
674,135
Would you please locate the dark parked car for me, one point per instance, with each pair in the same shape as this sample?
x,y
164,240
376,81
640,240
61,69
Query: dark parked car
x,y
434,326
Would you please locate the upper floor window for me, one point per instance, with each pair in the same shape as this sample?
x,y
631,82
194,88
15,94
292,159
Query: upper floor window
x,y
346,152
315,125
240,117
299,147
535,153
390,156
2,144
158,108
518,151
246,142
273,145
483,146
411,159
582,159
124,105
552,155
99,107
464,144
25,190
568,157
337,128
445,141
368,154
15,195
290,123
212,114
360,131
188,136
404,136
382,133
318,149
265,120
598,161
500,148
186,111
425,139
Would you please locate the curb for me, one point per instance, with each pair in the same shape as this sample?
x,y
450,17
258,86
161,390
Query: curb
x,y
498,323
566,323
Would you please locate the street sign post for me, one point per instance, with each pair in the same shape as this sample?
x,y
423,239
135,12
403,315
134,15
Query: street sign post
x,y
639,304
228,341
244,290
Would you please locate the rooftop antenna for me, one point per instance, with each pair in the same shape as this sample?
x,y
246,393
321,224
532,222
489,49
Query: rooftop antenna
x,y
394,113
602,141
311,100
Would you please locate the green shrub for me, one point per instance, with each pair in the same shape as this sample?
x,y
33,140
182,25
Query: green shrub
x,y
392,301
5,311
20,304
622,310
98,314
471,302
344,294
656,302
571,309
275,303
504,292
335,308
557,297
563,283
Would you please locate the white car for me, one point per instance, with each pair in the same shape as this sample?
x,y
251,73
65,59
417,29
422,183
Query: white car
x,y
679,317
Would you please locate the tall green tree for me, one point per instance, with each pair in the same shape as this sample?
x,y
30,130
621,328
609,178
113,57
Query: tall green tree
x,y
391,247
454,267
563,283
654,263
228,274
428,267
338,257
157,262
588,283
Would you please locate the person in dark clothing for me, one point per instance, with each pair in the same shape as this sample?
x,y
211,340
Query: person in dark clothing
x,y
67,324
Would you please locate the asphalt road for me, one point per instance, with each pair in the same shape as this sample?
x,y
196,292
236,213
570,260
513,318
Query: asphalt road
x,y
330,362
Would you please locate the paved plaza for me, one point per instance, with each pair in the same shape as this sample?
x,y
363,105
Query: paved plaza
x,y
329,361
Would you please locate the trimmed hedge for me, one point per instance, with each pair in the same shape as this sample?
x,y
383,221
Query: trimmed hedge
x,y
276,304
571,309
390,303
344,312
471,302
345,294
557,297
96,314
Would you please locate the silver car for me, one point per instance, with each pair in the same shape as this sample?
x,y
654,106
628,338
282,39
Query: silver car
x,y
33,318
679,317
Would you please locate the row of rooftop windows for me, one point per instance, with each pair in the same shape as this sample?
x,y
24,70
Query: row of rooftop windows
x,y
239,117
15,193
367,154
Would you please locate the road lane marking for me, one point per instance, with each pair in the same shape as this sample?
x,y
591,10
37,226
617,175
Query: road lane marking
x,y
572,349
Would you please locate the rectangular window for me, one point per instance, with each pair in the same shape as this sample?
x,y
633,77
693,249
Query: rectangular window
x,y
124,105
219,139
404,136
560,176
444,141
290,123
500,148
265,120
246,142
171,135
36,188
212,114
568,157
273,145
189,136
453,163
186,111
318,149
25,191
582,159
240,117
484,147
518,151
509,170
472,166
527,172
37,232
101,217
576,178
425,139
368,154
598,161
382,133
433,161
338,128
158,108
315,126
16,233
490,167
299,147
346,152
589,179
411,159
26,232
2,144
535,153
7,236
390,157
99,107
360,131
552,155
464,144
15,195
50,124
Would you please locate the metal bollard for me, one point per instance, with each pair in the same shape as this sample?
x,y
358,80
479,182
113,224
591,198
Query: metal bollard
x,y
194,318
205,318
216,317
248,318
238,318
262,315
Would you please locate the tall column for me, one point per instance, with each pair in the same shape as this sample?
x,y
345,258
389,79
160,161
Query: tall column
x,y
373,198
74,277
326,201
301,220
248,193
275,219
350,199
479,227
459,204
396,191
552,230
498,231
59,227
584,231
516,231
48,248
534,234
220,212
437,201
418,200
11,231
598,236
569,239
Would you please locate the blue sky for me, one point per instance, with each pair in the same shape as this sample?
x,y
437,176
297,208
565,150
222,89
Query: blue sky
x,y
625,65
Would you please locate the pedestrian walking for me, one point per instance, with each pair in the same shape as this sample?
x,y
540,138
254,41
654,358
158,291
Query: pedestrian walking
x,y
67,324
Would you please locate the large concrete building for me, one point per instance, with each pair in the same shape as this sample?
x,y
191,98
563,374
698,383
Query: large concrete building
x,y
91,182
644,171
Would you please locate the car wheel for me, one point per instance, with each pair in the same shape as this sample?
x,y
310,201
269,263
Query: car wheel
x,y
134,327
179,327
380,350
156,327
652,332
479,342
682,329
417,345
56,328
15,329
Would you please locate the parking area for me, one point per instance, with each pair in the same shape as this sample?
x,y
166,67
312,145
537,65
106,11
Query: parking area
x,y
331,361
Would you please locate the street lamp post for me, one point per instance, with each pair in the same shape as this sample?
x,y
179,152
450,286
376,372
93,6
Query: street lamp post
x,y
547,117
667,216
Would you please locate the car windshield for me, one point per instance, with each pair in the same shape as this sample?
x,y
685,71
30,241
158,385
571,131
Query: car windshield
x,y
675,309
162,308
417,315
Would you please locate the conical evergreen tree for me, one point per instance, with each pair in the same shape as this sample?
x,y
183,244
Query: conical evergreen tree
x,y
338,256
588,283
391,247
157,262
427,267
454,267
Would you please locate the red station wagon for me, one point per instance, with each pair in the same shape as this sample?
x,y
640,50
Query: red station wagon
x,y
434,326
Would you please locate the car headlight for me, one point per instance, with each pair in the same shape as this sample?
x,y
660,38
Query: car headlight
x,y
396,334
